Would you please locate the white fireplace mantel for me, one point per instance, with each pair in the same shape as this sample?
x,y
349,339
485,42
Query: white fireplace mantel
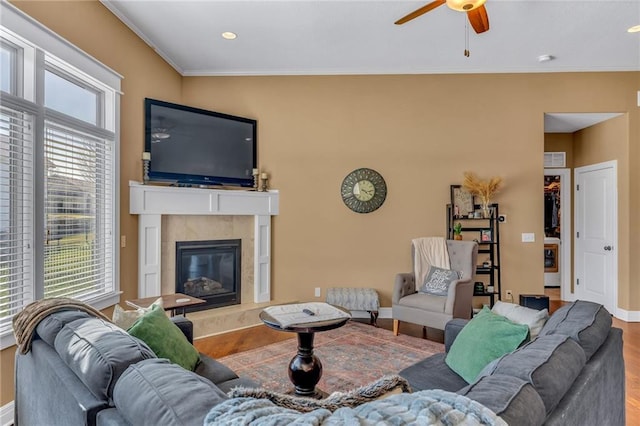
x,y
151,202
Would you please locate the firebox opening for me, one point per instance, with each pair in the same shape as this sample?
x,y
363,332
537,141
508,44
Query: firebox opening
x,y
209,270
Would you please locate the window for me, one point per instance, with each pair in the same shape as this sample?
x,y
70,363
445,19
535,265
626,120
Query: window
x,y
58,175
8,55
69,97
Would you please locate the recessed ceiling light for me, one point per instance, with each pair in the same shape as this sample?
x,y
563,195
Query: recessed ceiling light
x,y
229,35
634,29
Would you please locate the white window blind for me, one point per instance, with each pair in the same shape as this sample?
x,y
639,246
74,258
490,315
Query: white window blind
x,y
78,213
16,213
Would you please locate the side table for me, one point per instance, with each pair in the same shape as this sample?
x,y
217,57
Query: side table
x,y
305,369
176,303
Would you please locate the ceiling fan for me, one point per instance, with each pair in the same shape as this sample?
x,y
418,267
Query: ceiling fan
x,y
475,9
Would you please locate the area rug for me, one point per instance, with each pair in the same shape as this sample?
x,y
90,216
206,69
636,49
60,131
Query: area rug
x,y
352,356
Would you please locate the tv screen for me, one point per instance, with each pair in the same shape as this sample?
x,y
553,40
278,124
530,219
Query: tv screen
x,y
195,146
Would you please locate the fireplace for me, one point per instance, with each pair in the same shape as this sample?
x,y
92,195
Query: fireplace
x,y
209,270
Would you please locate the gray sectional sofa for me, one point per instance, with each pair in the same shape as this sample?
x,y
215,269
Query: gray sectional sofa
x,y
82,370
571,374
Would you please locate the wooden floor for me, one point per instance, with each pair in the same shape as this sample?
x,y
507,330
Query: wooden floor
x,y
242,340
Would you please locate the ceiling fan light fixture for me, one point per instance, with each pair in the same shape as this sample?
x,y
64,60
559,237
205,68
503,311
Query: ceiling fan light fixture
x,y
160,133
228,35
634,29
465,5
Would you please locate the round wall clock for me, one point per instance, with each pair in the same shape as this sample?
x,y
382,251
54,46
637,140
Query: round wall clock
x,y
363,190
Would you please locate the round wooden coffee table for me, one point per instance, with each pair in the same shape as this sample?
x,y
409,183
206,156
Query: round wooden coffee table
x,y
305,368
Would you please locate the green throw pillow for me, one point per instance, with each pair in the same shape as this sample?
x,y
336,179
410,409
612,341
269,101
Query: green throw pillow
x,y
165,338
486,337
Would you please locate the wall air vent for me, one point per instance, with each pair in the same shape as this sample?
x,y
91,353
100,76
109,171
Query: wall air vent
x,y
555,159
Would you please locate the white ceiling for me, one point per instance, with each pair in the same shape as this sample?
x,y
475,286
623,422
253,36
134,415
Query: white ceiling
x,y
569,123
301,37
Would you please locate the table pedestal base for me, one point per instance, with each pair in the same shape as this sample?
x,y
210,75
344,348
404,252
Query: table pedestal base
x,y
305,369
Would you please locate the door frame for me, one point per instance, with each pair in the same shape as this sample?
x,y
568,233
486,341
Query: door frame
x,y
613,164
566,239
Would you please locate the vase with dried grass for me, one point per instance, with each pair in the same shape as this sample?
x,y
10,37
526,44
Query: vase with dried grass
x,y
483,189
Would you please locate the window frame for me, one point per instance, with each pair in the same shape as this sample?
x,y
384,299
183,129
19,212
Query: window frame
x,y
39,49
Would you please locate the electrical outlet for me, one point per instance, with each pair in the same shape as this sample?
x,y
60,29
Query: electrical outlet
x,y
123,241
528,237
317,292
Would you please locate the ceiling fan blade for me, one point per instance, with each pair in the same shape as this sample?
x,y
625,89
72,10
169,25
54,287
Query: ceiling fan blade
x,y
479,19
419,12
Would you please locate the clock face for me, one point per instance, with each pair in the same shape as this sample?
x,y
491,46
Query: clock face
x,y
363,190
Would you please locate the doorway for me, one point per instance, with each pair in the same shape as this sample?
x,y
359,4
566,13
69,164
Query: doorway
x,y
557,241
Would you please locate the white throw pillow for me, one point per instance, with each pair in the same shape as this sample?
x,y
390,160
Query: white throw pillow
x,y
125,319
533,318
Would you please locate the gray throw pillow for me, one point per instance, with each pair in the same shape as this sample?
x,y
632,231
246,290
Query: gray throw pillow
x,y
438,281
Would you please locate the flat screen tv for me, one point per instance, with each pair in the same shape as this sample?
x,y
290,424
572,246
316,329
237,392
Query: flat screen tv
x,y
194,146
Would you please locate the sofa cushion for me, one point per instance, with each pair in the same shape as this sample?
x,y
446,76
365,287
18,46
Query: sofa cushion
x,y
550,363
98,352
424,301
214,370
156,392
511,398
587,323
433,373
51,325
165,338
486,337
438,281
533,318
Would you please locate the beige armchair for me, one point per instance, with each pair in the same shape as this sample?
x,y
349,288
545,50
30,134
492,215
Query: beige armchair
x,y
410,305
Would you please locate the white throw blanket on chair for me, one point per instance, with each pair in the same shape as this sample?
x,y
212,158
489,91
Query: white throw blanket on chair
x,y
428,251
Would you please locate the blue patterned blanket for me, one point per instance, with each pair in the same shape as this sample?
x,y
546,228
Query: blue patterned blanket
x,y
429,407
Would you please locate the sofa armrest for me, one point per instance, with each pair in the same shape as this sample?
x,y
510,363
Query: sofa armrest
x,y
451,330
185,325
404,285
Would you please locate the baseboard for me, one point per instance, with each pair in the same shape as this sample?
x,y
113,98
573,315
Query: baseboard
x,y
627,316
6,414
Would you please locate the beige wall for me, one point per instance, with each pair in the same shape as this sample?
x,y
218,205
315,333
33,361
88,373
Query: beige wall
x,y
560,142
421,132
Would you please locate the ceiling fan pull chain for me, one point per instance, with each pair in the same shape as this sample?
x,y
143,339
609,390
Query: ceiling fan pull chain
x,y
466,38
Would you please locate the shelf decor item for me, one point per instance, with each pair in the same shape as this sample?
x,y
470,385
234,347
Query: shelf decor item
x,y
462,202
457,231
256,179
264,179
483,189
146,158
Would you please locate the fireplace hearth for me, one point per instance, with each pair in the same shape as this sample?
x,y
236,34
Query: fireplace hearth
x,y
209,270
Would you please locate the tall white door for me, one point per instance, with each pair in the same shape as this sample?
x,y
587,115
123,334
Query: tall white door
x,y
596,259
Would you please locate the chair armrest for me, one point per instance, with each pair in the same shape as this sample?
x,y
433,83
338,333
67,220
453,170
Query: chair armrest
x,y
460,299
404,285
451,330
185,325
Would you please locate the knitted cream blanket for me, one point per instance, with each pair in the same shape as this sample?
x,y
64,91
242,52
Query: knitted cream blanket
x,y
25,321
429,251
